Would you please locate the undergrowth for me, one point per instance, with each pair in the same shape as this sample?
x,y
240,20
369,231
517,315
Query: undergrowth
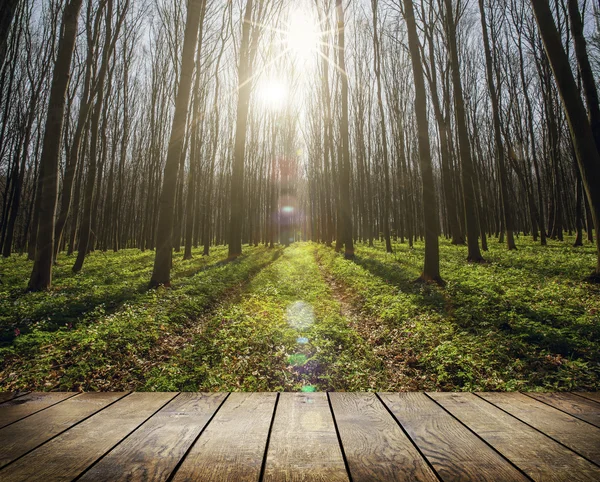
x,y
111,350
304,318
285,332
525,320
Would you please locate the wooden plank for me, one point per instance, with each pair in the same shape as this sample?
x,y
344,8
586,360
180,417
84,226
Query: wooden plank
x,y
593,396
20,437
304,444
375,446
575,434
22,407
577,406
453,451
6,396
538,456
153,451
69,454
232,447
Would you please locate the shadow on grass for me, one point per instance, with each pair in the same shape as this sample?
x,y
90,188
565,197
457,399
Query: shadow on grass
x,y
51,314
427,295
545,331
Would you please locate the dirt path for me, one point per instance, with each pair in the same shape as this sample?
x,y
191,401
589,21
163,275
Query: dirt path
x,y
399,374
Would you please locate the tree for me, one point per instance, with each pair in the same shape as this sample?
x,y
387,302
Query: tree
x,y
431,267
41,276
161,274
384,146
585,70
500,156
586,152
344,170
468,173
237,173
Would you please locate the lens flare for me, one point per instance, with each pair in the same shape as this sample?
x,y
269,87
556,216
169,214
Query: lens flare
x,y
273,94
300,315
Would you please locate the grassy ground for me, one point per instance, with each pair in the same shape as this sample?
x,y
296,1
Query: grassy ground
x,y
303,318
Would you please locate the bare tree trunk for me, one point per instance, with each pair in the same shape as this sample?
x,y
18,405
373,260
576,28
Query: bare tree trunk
x,y
384,146
195,150
237,174
585,69
161,274
581,131
431,268
500,157
344,169
41,276
468,174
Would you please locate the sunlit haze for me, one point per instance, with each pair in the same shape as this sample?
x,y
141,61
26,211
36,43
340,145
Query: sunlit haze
x,y
302,35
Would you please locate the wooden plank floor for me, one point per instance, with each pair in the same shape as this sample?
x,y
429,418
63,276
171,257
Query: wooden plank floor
x,y
299,436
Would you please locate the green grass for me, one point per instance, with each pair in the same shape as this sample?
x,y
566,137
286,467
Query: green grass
x,y
111,349
304,318
285,332
524,321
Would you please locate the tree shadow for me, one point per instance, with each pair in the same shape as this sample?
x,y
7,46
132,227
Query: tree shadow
x,y
69,306
394,274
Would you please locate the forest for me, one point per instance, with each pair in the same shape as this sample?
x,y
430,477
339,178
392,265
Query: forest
x,y
300,195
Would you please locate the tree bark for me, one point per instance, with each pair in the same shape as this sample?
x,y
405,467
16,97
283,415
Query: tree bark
x,y
344,169
431,268
500,156
588,158
474,254
237,174
161,274
41,276
384,146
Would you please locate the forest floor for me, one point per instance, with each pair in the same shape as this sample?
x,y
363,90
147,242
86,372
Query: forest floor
x,y
304,318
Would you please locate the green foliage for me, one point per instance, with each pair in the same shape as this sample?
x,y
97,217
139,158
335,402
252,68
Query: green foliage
x,y
304,318
526,320
284,332
102,349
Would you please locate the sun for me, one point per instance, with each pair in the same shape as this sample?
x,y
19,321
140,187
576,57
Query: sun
x,y
302,35
272,94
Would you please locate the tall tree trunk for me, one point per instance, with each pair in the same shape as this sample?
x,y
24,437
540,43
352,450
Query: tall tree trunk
x,y
468,174
431,268
585,70
161,274
384,146
588,157
41,276
237,174
500,157
344,169
190,206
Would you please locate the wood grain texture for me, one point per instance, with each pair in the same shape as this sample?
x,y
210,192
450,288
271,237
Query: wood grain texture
x,y
69,454
233,445
577,406
304,444
594,396
18,408
454,451
375,446
153,451
20,437
575,434
538,456
6,396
